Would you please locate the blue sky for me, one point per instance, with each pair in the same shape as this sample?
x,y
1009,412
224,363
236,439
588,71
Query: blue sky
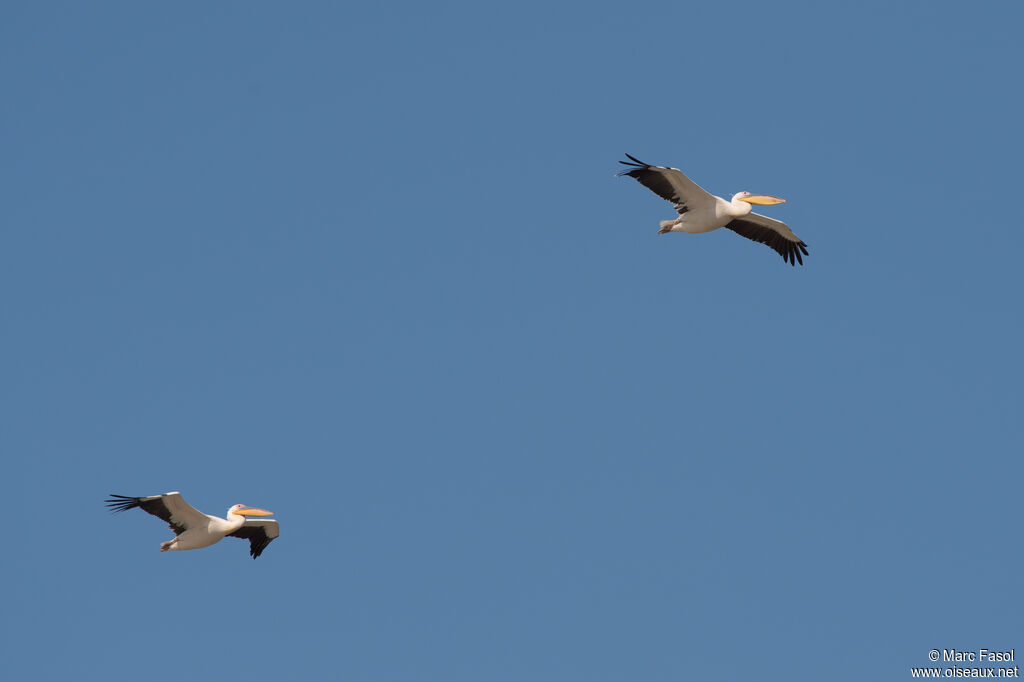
x,y
368,267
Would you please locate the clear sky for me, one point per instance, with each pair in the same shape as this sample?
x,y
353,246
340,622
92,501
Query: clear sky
x,y
366,265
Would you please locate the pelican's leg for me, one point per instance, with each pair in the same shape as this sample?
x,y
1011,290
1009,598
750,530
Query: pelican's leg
x,y
164,546
667,225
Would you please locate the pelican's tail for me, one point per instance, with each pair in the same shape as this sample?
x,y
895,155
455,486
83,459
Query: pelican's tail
x,y
667,225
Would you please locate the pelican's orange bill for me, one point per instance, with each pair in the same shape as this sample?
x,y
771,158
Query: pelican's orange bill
x,y
763,200
253,511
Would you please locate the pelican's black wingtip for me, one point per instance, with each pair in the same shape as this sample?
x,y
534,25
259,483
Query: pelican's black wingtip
x,y
633,161
120,503
636,166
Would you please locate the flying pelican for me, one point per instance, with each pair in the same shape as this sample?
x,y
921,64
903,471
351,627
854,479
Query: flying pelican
x,y
700,211
194,529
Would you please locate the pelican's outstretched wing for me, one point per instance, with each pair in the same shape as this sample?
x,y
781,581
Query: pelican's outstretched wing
x,y
774,233
669,184
171,507
259,533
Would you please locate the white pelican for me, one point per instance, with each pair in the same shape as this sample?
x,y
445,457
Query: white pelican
x,y
700,211
194,529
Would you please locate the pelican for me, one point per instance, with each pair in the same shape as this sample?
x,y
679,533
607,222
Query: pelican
x,y
194,529
700,211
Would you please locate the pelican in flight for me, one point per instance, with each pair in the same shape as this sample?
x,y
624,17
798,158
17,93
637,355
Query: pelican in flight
x,y
194,529
700,211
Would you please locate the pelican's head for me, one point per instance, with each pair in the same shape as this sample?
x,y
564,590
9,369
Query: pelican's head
x,y
760,199
242,510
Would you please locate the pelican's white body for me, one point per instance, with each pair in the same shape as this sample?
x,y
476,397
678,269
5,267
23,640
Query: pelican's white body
x,y
708,216
205,532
